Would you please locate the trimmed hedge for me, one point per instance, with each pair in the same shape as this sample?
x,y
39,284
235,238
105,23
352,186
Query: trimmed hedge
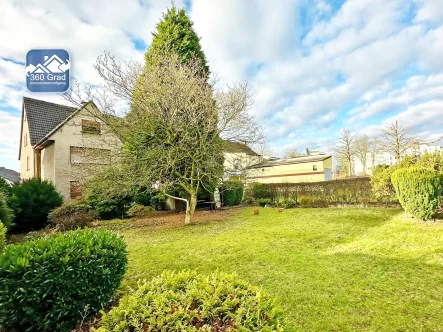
x,y
418,190
46,284
232,193
72,215
261,190
189,301
347,191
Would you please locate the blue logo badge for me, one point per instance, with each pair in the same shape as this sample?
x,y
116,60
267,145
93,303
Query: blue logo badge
x,y
47,70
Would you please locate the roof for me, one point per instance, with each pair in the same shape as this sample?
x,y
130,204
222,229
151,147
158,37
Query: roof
x,y
291,161
43,117
10,175
235,147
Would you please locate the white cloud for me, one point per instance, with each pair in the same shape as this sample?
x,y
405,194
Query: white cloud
x,y
429,10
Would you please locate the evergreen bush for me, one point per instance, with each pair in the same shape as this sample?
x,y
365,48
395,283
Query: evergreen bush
x,y
46,284
72,215
32,200
418,190
232,192
2,237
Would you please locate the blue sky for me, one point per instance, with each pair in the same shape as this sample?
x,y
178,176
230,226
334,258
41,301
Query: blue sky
x,y
313,66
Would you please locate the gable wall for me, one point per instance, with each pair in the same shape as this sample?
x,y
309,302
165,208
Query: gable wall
x,y
57,162
26,152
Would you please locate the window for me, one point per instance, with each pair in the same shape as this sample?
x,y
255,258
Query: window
x,y
314,168
81,155
236,164
27,163
25,140
76,189
91,127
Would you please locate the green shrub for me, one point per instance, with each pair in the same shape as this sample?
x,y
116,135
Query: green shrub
x,y
418,190
261,190
158,201
287,203
2,236
72,215
46,284
6,214
312,202
138,210
188,301
232,193
108,193
5,187
263,201
32,200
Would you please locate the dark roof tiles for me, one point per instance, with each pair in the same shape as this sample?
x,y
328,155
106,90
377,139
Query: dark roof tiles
x,y
43,117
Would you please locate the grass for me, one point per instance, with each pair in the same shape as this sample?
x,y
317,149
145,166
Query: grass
x,y
330,269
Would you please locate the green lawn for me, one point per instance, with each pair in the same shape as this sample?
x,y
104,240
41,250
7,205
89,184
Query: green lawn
x,y
330,269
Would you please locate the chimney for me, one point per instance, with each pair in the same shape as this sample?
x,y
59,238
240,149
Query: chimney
x,y
308,153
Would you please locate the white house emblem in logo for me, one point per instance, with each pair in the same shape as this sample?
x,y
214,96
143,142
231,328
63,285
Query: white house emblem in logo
x,y
47,70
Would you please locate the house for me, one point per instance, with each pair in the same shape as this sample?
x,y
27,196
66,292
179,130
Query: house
x,y
310,168
64,145
10,175
238,158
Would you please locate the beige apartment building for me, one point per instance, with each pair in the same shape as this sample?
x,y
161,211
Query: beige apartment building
x,y
64,145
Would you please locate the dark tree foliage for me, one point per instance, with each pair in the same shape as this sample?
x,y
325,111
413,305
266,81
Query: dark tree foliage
x,y
175,34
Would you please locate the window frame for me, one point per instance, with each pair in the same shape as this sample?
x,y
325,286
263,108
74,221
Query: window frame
x,y
91,127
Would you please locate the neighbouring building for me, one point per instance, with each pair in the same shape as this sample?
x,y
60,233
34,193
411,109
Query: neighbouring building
x,y
310,168
64,145
238,158
10,175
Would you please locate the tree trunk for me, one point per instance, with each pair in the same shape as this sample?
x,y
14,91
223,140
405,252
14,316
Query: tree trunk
x,y
190,208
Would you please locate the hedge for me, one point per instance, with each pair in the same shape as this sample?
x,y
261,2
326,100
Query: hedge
x,y
46,284
188,301
347,191
418,190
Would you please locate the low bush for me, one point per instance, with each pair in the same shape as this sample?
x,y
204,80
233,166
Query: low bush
x,y
138,210
158,201
188,301
263,201
46,284
232,193
287,203
2,236
261,190
418,190
72,215
32,200
6,214
312,202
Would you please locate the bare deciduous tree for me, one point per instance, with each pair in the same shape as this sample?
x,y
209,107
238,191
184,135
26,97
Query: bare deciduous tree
x,y
345,149
361,148
292,153
397,140
171,121
374,147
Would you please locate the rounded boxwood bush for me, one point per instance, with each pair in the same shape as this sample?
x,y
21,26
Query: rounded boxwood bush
x,y
189,301
46,284
418,190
